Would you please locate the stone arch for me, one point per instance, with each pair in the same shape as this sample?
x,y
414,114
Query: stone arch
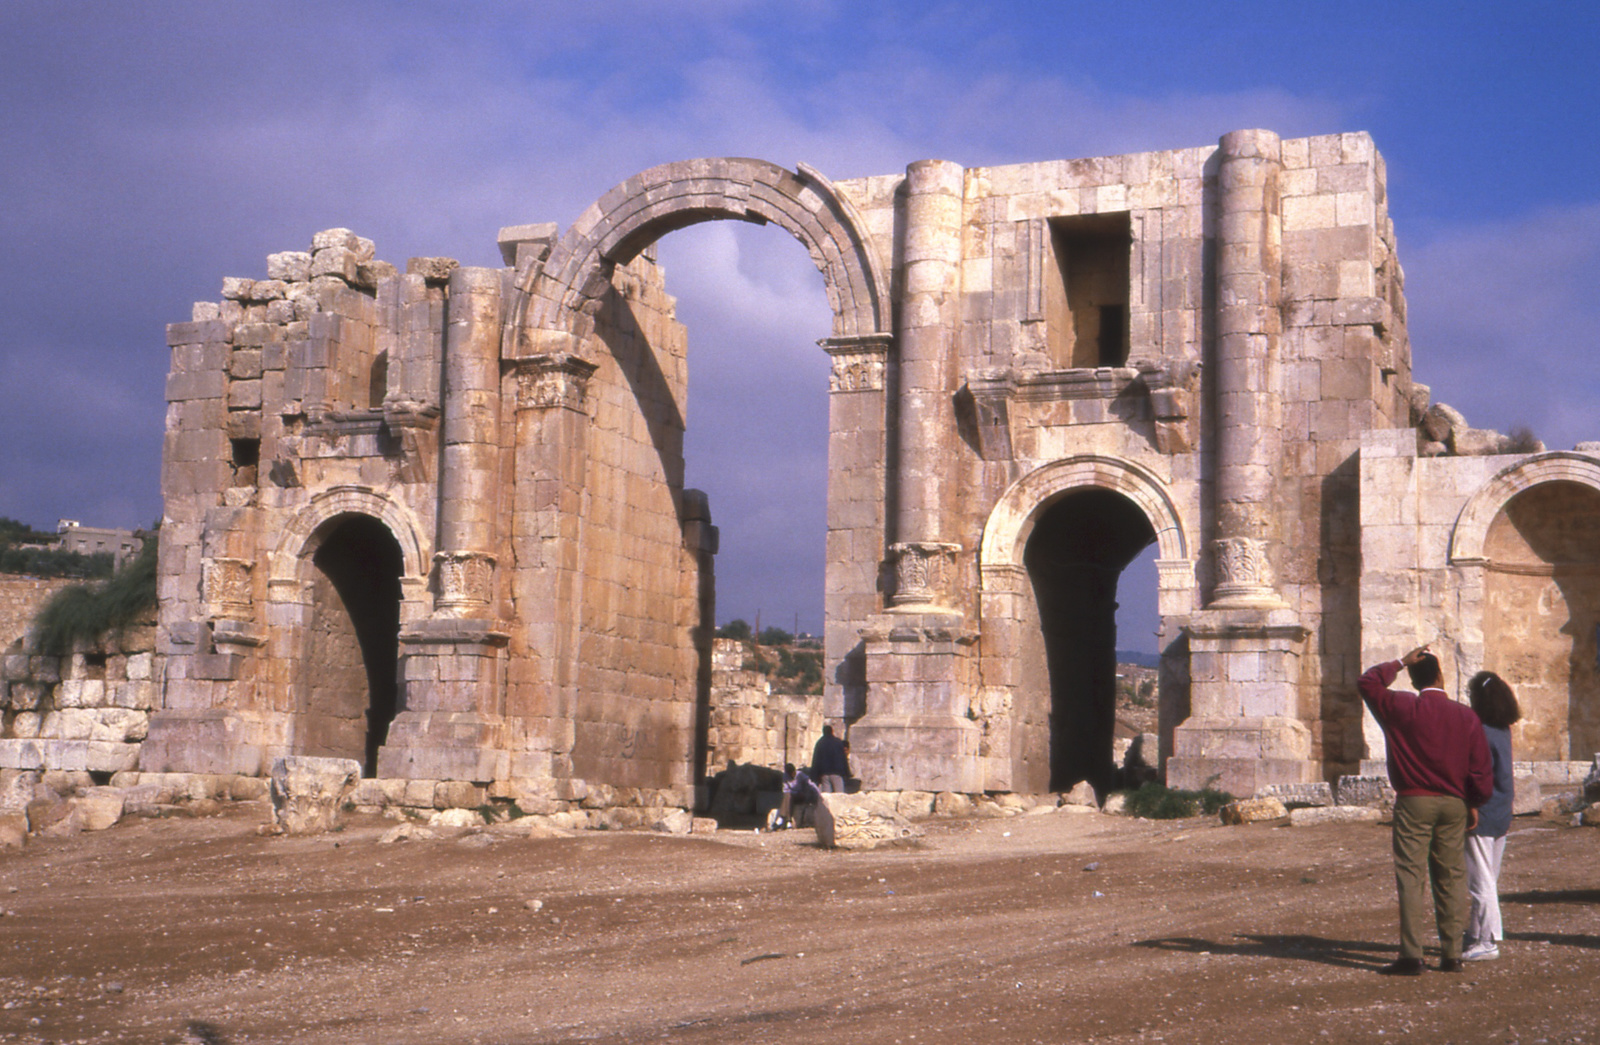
x,y
616,227
1011,521
1472,525
299,537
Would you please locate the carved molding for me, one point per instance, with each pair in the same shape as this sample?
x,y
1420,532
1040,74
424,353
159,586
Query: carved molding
x,y
923,572
859,363
548,381
466,580
226,589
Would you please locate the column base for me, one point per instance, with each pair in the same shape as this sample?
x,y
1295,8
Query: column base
x,y
1241,756
917,752
444,745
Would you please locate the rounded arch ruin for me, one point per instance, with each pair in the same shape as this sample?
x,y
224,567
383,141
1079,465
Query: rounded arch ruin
x,y
633,215
1472,525
299,537
1011,521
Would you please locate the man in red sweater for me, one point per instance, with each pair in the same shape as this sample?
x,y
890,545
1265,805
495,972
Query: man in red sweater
x,y
1440,767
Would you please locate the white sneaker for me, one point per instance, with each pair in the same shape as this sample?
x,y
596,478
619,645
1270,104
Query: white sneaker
x,y
1481,952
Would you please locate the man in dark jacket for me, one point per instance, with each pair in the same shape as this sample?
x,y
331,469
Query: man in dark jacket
x,y
1441,771
829,766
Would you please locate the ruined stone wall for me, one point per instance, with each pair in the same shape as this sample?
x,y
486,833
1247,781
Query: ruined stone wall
x,y
633,723
87,711
751,724
21,598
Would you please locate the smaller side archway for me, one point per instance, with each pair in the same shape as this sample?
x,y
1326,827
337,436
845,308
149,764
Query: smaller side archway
x,y
1053,548
348,568
1526,554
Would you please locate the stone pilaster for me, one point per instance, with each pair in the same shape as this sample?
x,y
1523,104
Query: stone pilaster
x,y
469,486
551,393
453,664
857,487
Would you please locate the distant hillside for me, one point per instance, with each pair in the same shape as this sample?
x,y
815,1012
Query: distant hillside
x,y
1143,660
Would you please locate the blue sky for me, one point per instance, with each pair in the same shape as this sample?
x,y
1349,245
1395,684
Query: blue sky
x,y
148,150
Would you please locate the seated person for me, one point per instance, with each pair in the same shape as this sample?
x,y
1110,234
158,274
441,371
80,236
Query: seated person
x,y
799,797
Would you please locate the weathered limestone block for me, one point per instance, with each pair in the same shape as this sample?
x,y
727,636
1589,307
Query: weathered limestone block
x,y
1310,816
1082,794
952,803
1296,796
1525,796
914,805
458,794
109,725
434,270
18,787
1480,442
858,822
1441,422
1375,791
675,822
100,808
1253,810
13,830
53,817
290,266
1558,807
456,818
307,792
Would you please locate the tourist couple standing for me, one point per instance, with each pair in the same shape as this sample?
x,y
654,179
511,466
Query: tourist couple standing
x,y
1451,771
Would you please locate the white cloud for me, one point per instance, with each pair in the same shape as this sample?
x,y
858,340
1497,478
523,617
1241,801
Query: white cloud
x,y
1503,321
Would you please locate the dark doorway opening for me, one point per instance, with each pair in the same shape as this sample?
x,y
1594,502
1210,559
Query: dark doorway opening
x,y
351,684
1076,553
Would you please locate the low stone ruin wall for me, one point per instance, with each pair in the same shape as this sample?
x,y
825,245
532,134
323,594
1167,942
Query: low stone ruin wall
x,y
84,712
21,598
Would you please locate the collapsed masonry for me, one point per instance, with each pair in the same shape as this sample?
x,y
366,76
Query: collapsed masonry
x,y
434,520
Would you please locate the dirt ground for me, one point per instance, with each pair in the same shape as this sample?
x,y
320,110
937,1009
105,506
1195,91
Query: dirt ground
x,y
1060,927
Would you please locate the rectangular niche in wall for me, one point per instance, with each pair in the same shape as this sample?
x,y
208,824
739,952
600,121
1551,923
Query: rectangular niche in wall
x,y
1086,309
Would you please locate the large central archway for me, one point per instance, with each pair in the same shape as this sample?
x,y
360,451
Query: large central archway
x,y
559,293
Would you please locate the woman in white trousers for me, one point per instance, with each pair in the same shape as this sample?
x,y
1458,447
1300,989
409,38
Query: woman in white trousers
x,y
1497,707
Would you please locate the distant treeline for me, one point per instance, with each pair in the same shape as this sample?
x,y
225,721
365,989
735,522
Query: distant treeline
x,y
47,562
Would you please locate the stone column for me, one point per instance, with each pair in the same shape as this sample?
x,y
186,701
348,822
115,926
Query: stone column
x,y
930,323
469,481
920,658
1247,648
1249,329
451,721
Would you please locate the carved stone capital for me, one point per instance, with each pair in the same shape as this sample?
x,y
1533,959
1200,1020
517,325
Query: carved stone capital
x,y
466,581
858,362
548,381
1244,577
924,572
225,587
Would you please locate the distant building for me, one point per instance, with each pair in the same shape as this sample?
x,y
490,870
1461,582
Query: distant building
x,y
94,540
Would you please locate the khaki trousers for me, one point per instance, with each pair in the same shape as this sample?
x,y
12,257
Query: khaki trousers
x,y
1430,844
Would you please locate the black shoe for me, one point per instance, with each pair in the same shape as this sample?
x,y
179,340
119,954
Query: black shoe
x,y
1451,965
1403,967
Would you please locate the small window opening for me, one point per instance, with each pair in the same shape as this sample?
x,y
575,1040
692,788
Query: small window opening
x,y
378,381
1086,310
246,454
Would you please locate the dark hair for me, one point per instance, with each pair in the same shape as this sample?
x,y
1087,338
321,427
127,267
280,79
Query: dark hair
x,y
1493,700
827,731
1425,672
788,770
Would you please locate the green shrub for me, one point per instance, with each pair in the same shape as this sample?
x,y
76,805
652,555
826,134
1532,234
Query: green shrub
x,y
1155,801
82,613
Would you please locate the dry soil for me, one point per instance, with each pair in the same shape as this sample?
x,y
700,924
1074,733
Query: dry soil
x,y
1060,927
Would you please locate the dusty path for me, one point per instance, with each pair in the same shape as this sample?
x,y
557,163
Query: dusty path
x,y
992,930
